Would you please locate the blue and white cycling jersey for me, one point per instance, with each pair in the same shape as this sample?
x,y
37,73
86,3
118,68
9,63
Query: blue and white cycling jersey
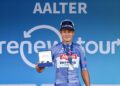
x,y
67,63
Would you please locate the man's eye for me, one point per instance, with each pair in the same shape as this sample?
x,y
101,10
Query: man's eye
x,y
69,31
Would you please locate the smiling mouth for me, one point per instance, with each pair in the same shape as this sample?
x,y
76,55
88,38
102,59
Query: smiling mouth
x,y
67,37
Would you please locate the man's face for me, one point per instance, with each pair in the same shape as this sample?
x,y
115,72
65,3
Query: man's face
x,y
67,35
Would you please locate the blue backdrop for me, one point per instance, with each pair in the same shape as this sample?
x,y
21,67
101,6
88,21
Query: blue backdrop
x,y
27,27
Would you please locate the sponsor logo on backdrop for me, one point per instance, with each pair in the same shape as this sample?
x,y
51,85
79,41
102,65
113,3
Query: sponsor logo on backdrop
x,y
14,47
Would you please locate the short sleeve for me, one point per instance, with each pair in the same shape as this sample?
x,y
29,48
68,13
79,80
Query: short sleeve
x,y
83,63
53,53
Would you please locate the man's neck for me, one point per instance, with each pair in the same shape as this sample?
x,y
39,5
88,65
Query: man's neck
x,y
67,43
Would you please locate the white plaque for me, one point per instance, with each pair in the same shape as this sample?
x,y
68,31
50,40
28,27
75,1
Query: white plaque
x,y
45,58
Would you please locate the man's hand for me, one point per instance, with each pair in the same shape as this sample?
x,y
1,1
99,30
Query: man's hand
x,y
86,78
38,69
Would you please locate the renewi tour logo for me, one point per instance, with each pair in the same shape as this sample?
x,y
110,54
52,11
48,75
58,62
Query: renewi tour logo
x,y
13,47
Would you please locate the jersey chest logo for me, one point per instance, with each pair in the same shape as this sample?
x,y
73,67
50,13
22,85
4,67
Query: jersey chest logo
x,y
63,61
66,57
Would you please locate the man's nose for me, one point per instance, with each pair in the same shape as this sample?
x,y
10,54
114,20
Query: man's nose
x,y
67,33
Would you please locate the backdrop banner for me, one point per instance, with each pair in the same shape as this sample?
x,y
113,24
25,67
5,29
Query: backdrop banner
x,y
30,26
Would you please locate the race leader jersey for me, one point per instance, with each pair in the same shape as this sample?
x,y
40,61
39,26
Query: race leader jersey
x,y
67,59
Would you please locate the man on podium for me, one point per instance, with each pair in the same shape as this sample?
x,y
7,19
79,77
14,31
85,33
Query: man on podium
x,y
68,57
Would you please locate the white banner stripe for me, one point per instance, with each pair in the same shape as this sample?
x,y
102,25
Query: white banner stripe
x,y
18,85
91,85
106,85
47,85
53,85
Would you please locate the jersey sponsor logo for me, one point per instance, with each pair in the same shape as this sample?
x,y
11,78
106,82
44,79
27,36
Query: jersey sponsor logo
x,y
62,61
64,56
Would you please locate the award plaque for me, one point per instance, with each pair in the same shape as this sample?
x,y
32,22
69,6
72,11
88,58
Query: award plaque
x,y
45,59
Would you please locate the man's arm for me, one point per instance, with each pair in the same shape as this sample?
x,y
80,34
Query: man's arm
x,y
83,65
39,70
86,78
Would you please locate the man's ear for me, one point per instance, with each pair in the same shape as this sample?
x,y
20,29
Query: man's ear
x,y
73,33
